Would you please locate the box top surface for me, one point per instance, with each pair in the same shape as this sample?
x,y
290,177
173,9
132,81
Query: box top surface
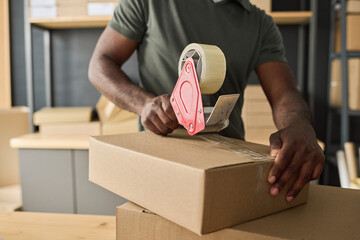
x,y
215,151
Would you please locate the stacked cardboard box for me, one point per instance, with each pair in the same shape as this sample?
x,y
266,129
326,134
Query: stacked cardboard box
x,y
13,123
203,183
257,115
352,31
353,83
353,6
115,120
331,213
61,121
71,8
262,4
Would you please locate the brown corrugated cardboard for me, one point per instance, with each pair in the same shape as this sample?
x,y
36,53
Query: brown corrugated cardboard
x,y
353,6
353,33
254,92
63,115
257,115
354,83
258,120
262,4
203,183
128,126
331,213
64,129
71,11
109,112
13,123
259,135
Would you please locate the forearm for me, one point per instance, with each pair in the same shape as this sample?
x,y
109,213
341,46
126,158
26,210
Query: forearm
x,y
106,75
290,108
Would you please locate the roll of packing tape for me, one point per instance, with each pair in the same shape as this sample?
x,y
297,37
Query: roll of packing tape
x,y
210,65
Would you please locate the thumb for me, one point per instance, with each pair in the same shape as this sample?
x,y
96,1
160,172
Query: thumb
x,y
275,143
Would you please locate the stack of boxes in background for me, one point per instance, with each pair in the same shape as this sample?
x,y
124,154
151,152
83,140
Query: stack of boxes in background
x,y
257,115
63,121
71,121
71,8
353,44
13,122
262,4
115,120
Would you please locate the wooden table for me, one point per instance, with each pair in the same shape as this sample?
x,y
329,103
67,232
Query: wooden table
x,y
27,225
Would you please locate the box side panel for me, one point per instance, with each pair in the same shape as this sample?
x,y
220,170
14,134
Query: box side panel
x,y
13,123
160,186
134,224
241,193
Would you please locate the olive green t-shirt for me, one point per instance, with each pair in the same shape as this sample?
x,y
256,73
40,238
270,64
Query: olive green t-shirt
x,y
247,36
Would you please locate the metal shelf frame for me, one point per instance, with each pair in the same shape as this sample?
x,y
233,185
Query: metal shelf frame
x,y
344,111
306,53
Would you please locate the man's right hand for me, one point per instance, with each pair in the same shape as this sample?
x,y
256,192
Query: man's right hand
x,y
158,115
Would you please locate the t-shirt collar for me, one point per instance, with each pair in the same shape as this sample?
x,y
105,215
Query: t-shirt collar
x,y
244,3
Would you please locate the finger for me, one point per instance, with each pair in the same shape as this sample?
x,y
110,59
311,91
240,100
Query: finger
x,y
166,106
317,171
171,124
282,159
275,143
151,127
303,178
290,171
160,125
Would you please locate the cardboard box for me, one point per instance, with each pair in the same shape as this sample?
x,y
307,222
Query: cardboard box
x,y
258,120
353,6
109,112
63,115
42,3
257,106
43,12
13,123
259,135
254,92
331,213
73,11
354,83
203,183
353,34
128,126
66,129
262,4
100,8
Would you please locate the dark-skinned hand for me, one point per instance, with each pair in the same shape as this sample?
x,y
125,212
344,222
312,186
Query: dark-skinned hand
x,y
297,153
158,115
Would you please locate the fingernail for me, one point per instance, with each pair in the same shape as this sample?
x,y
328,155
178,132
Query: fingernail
x,y
274,191
272,179
274,152
289,198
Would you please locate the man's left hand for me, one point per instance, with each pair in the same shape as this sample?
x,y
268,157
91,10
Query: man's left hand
x,y
297,153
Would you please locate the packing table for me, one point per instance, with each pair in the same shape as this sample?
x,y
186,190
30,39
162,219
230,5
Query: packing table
x,y
44,226
54,176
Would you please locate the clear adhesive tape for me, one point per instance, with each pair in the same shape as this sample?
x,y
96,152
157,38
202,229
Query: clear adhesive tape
x,y
210,65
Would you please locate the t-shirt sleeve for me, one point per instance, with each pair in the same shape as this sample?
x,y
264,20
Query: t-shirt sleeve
x,y
272,47
130,19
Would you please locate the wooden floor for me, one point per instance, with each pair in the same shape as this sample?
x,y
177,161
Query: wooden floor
x,y
45,226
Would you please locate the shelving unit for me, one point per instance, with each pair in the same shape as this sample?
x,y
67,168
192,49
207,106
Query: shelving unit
x,y
344,111
301,18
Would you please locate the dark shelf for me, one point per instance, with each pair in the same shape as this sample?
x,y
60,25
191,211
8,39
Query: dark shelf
x,y
349,54
349,112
